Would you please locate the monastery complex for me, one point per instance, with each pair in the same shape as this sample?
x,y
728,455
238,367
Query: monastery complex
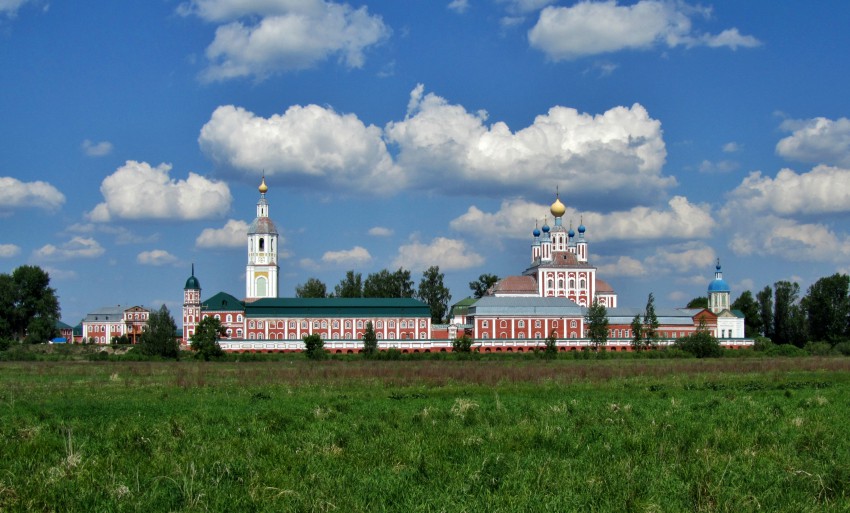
x,y
518,313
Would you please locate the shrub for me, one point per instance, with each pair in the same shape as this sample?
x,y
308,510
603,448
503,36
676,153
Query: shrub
x,y
551,351
462,344
818,348
5,343
701,344
390,354
843,348
370,341
315,347
762,344
786,350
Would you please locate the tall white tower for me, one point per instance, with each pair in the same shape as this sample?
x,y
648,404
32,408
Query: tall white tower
x,y
261,274
191,306
718,291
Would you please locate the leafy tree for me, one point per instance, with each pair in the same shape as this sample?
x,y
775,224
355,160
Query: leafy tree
x,y
765,302
158,337
480,287
596,319
785,295
551,349
205,339
387,284
698,302
314,347
701,343
433,292
827,308
29,308
637,334
750,308
650,322
350,286
370,341
462,344
313,288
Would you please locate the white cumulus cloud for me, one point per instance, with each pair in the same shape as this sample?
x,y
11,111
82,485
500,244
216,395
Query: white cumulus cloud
x,y
822,190
259,38
15,193
156,257
138,191
77,247
789,240
232,235
9,250
621,149
10,7
591,28
515,219
448,254
624,266
682,258
99,149
380,231
312,143
817,141
355,256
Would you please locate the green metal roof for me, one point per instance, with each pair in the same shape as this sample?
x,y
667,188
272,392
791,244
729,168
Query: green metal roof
x,y
337,307
61,325
223,302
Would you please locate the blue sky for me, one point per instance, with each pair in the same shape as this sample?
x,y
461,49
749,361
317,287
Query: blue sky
x,y
417,133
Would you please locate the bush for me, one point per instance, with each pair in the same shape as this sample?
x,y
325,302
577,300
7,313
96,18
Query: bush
x,y
701,344
462,344
315,347
762,344
786,350
843,348
818,348
551,351
5,343
390,354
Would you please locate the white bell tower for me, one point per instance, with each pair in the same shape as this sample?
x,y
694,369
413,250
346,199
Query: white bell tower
x,y
261,274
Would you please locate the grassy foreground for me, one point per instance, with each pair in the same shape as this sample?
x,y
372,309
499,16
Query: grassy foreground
x,y
524,435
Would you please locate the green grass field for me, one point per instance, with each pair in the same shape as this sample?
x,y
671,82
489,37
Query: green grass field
x,y
508,435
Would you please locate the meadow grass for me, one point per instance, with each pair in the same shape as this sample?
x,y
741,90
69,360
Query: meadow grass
x,y
508,435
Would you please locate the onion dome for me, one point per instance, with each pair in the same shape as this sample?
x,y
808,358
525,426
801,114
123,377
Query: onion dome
x,y
545,228
571,233
581,228
263,188
193,283
718,284
557,209
536,232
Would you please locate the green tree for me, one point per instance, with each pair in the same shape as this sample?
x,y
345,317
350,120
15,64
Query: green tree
x,y
827,308
158,337
650,322
205,339
313,288
480,287
434,293
785,295
747,305
29,308
389,285
698,302
462,344
637,334
551,349
764,298
370,341
314,347
701,343
350,286
596,320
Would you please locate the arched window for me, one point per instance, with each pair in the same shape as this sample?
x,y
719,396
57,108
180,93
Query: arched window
x,y
572,324
521,324
229,318
583,284
315,324
217,316
292,325
336,324
485,324
292,336
392,324
303,325
561,283
359,325
261,286
324,324
259,324
251,324
572,283
347,324
503,324
262,244
239,318
380,335
403,324
239,333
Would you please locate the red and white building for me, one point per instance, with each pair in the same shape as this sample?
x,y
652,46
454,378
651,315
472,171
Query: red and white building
x,y
106,324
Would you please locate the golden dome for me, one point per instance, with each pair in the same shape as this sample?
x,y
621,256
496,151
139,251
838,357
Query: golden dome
x,y
558,209
263,187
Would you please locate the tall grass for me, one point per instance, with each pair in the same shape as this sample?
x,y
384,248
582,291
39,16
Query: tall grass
x,y
521,435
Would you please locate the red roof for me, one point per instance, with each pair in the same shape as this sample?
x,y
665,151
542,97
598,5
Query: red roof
x,y
515,285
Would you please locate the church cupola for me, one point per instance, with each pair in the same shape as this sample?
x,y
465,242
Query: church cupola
x,y
191,305
718,291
